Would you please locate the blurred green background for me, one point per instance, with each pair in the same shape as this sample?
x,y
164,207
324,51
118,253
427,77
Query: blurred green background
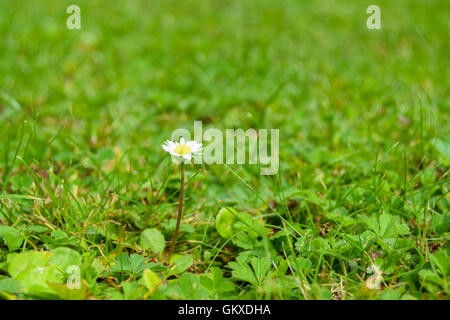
x,y
139,69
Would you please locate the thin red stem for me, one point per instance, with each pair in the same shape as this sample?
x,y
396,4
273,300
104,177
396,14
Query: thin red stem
x,y
180,212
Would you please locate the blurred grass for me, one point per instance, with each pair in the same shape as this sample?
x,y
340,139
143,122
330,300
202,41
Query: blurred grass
x,y
136,71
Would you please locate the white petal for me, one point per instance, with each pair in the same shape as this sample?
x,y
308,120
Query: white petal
x,y
193,144
168,146
197,149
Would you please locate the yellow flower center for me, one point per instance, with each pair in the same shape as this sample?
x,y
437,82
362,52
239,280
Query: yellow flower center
x,y
182,149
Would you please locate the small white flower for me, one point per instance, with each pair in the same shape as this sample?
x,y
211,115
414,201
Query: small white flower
x,y
374,281
182,150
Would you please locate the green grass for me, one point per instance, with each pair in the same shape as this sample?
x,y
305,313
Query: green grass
x,y
364,149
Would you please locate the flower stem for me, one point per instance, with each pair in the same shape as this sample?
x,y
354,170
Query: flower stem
x,y
180,212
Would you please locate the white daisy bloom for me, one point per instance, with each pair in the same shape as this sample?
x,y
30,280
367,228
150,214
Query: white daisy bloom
x,y
183,150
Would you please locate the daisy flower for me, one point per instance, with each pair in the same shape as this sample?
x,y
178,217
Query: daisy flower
x,y
183,150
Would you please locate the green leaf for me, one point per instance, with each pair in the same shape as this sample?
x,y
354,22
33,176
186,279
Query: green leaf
x,y
340,215
441,260
27,260
59,235
10,285
386,226
224,222
217,275
303,264
254,274
150,279
137,263
12,237
261,267
440,223
182,264
66,293
243,272
190,287
219,283
152,239
34,272
428,275
36,228
35,281
443,147
64,257
124,264
132,290
244,240
241,225
207,282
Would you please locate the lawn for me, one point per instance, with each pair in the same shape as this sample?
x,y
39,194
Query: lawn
x,y
358,209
